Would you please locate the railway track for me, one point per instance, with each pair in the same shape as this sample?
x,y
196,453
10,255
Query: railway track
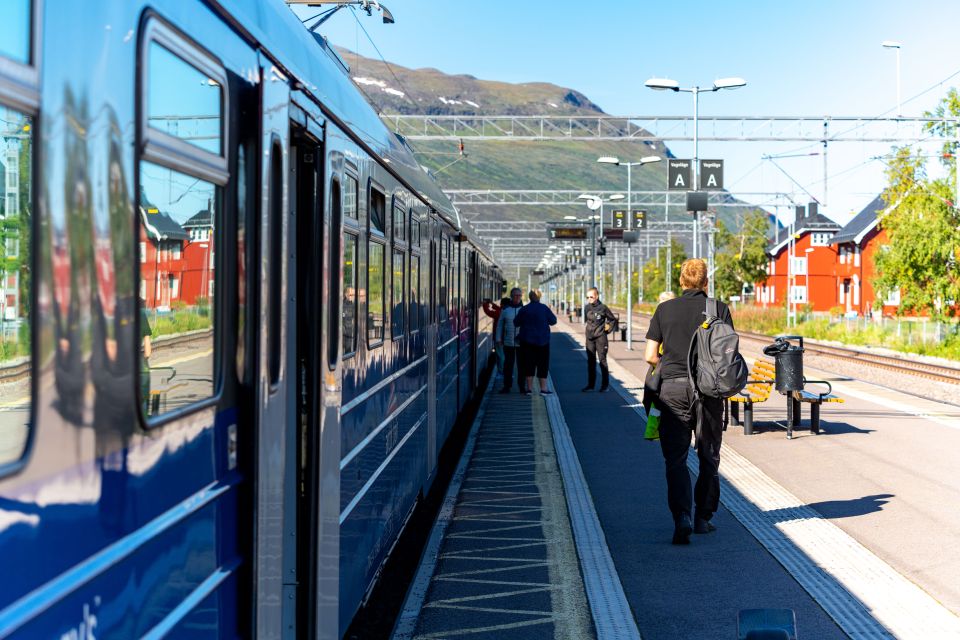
x,y
930,371
927,370
20,370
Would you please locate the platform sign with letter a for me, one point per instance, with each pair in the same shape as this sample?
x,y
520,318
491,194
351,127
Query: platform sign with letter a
x,y
679,175
711,174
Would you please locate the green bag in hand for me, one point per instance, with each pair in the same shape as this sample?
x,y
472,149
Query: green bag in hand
x,y
653,424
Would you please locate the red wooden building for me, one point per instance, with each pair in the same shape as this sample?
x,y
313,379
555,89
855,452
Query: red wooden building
x,y
802,263
857,243
176,262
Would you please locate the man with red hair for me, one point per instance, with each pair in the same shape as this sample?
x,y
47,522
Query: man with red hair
x,y
683,412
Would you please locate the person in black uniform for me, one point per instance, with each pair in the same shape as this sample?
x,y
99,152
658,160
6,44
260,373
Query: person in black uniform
x,y
597,315
673,324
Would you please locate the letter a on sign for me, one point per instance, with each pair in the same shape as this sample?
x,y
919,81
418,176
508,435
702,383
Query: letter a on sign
x,y
679,175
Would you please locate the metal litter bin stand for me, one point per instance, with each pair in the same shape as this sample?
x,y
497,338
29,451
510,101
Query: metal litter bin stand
x,y
788,378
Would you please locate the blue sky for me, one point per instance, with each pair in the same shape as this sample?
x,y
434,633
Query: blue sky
x,y
799,58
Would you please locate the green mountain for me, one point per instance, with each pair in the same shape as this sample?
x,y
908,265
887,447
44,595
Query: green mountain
x,y
508,164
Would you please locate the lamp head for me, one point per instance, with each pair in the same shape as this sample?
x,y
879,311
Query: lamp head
x,y
662,84
617,196
649,159
728,83
569,217
608,160
891,44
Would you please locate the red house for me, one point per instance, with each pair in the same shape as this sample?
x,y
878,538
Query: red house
x,y
857,243
802,263
176,262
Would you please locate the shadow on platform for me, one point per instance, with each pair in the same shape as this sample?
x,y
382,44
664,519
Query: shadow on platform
x,y
837,508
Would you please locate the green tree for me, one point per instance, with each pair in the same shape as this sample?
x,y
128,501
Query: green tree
x,y
655,271
741,257
922,257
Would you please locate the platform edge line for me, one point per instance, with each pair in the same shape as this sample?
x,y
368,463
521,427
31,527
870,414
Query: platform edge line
x,y
613,618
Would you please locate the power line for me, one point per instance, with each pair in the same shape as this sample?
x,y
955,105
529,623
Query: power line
x,y
406,91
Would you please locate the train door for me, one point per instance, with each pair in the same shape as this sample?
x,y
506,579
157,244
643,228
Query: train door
x,y
309,217
275,533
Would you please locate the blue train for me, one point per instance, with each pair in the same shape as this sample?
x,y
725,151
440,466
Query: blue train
x,y
237,324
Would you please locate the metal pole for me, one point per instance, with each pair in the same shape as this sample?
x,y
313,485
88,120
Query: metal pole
x,y
696,168
629,261
825,122
669,266
600,285
593,251
616,272
899,107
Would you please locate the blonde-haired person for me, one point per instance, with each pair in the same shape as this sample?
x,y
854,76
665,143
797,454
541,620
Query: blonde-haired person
x,y
666,295
673,324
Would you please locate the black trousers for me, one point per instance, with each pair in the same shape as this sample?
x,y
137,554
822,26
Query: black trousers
x,y
535,360
678,421
597,352
511,355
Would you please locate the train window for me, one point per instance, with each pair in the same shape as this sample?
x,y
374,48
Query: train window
x,y
183,101
15,30
376,296
442,291
350,197
414,230
333,346
16,145
415,302
178,216
242,195
397,308
275,270
349,288
377,211
399,228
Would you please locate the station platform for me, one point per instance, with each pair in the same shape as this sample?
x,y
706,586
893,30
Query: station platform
x,y
556,523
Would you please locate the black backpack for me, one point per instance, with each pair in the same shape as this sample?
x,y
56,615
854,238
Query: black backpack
x,y
715,367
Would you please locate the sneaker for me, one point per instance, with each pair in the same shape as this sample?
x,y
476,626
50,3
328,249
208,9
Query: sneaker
x,y
527,392
603,389
682,531
586,389
546,393
701,526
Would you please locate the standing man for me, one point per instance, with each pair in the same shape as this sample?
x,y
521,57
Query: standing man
x,y
598,315
506,337
681,413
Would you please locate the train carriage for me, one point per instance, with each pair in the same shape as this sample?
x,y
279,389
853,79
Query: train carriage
x,y
239,324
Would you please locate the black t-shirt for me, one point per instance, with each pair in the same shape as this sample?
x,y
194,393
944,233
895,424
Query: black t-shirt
x,y
673,325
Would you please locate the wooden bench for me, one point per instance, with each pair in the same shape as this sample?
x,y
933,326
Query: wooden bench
x,y
759,385
795,398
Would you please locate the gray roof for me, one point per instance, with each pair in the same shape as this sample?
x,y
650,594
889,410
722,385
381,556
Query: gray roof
x,y
818,222
861,223
202,219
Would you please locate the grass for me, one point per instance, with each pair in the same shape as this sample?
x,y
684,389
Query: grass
x,y
191,319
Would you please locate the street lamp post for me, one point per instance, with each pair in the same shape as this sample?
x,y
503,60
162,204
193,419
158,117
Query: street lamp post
x,y
893,44
629,256
666,84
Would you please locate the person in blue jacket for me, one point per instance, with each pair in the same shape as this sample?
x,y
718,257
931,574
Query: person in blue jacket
x,y
534,321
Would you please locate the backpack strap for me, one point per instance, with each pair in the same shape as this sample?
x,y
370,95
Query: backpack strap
x,y
712,311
